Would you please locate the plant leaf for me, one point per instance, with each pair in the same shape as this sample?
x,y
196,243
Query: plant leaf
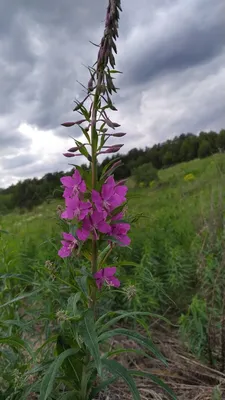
x,y
19,298
156,380
89,335
14,341
122,315
49,377
101,387
118,370
137,337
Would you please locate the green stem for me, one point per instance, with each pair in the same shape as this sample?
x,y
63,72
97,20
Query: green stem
x,y
94,145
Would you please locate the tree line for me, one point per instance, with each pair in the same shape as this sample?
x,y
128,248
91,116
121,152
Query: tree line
x,y
186,147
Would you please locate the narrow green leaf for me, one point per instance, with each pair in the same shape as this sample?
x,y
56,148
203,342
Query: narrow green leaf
x,y
122,315
118,370
101,387
71,395
156,380
18,298
107,166
14,341
128,263
82,148
89,335
20,277
49,377
103,253
114,71
52,339
85,134
137,337
3,231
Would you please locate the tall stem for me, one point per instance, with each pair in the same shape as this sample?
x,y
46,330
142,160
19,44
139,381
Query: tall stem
x,y
94,172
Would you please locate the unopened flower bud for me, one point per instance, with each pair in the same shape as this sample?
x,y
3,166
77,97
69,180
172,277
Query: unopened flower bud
x,y
73,149
90,84
114,145
111,124
71,155
68,124
111,149
119,134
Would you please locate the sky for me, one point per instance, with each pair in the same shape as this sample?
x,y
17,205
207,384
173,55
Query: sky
x,y
171,53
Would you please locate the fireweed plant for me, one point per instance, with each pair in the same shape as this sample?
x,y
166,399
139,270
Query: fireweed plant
x,y
94,221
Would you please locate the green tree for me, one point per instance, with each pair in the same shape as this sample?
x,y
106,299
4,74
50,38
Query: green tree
x,y
204,149
145,174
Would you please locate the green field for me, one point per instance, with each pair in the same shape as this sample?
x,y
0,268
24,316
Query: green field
x,y
177,246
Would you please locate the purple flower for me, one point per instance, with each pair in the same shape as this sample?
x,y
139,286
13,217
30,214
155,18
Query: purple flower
x,y
73,184
119,232
76,208
93,223
106,275
111,196
68,244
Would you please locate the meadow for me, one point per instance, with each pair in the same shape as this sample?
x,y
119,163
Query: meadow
x,y
175,262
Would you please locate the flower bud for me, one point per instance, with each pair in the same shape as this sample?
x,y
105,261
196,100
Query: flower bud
x,y
71,155
68,124
111,124
111,149
119,134
73,149
114,145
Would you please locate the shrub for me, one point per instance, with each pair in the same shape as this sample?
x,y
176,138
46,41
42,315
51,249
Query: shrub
x,y
144,174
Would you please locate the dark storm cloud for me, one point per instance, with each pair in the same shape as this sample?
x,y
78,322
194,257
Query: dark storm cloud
x,y
43,44
11,141
163,48
185,39
18,161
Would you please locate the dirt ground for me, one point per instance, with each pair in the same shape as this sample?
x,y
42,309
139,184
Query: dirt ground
x,y
186,376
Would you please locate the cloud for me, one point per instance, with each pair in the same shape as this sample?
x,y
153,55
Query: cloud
x,y
171,53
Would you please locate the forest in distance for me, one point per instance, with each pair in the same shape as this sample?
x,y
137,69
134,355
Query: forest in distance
x,y
32,192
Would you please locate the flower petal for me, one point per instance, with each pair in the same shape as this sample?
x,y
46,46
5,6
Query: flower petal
x,y
114,282
109,271
103,227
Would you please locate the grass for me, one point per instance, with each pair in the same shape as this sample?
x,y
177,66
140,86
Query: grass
x,y
173,214
177,264
166,239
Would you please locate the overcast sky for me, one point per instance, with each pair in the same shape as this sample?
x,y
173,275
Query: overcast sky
x,y
171,52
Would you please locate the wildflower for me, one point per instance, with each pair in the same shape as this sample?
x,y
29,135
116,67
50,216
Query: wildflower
x,y
106,275
93,223
68,244
111,196
73,184
189,177
119,232
76,208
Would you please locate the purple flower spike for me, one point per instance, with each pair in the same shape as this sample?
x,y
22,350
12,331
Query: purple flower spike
x,y
76,208
106,275
93,223
119,232
112,196
68,244
73,184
